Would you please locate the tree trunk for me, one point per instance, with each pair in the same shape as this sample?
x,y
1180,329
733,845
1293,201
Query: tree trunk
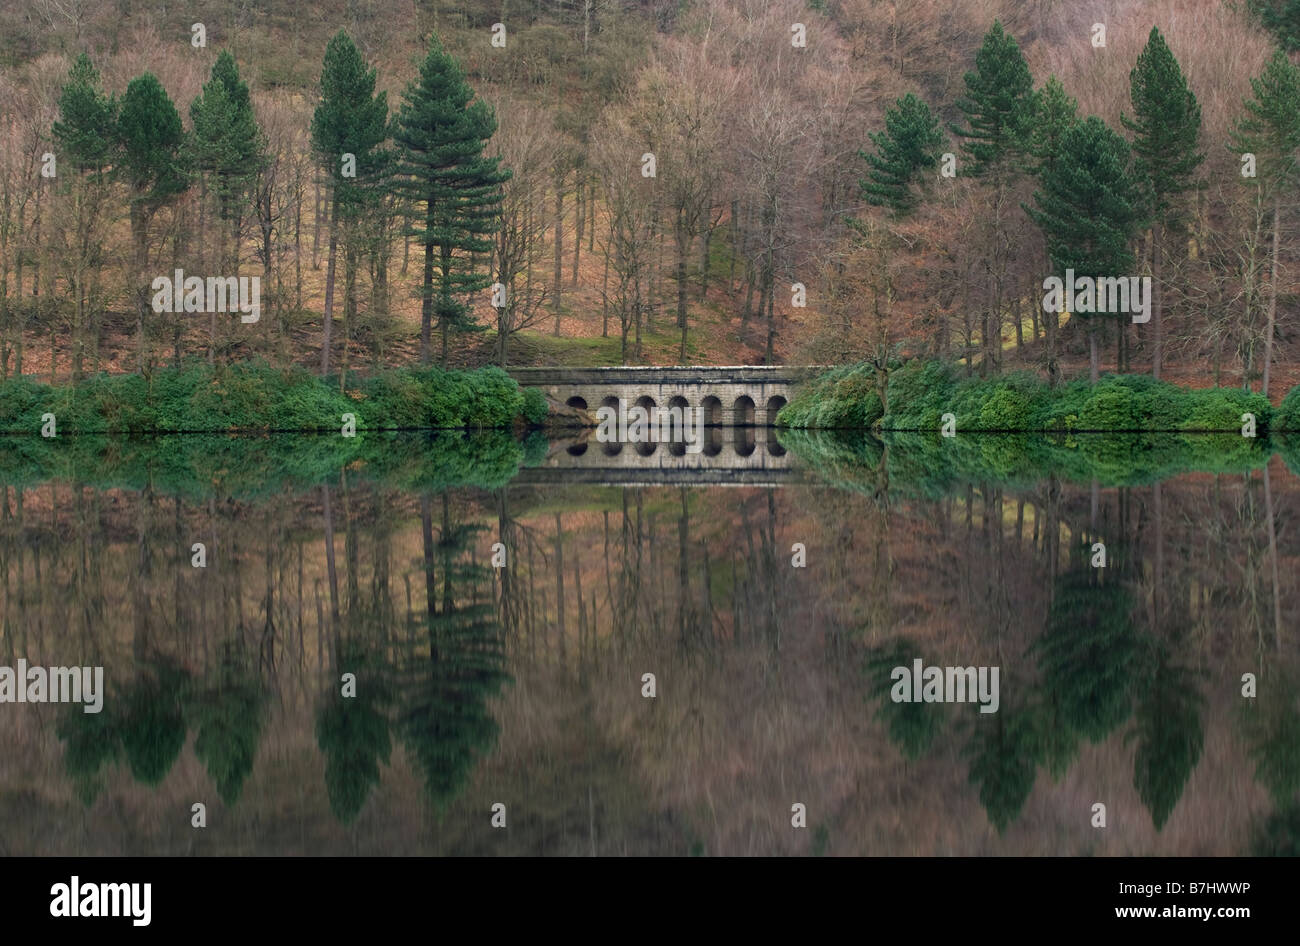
x,y
327,323
1093,372
1272,298
559,249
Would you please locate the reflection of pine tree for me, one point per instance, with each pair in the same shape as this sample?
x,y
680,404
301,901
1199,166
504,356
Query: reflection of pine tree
x,y
1056,742
443,719
911,726
1169,737
353,732
91,741
1088,650
228,721
153,722
1273,733
1279,835
1003,763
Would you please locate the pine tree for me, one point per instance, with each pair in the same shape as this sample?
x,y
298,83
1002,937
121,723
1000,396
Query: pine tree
x,y
1270,130
1165,126
453,190
85,128
909,144
998,107
152,163
1281,18
86,135
1054,112
227,148
1088,208
350,120
998,104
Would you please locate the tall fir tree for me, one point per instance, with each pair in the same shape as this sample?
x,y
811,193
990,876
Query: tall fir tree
x,y
86,135
998,104
227,149
1270,130
347,129
452,189
999,109
1166,126
153,164
1088,208
1055,111
909,145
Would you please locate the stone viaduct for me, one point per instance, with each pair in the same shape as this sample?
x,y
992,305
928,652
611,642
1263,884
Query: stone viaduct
x,y
729,396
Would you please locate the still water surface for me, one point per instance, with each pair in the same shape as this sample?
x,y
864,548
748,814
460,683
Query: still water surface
x,y
524,685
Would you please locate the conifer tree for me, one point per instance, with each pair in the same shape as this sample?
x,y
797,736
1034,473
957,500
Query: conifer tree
x,y
351,120
998,104
453,190
1088,207
1270,130
153,165
909,144
86,135
999,109
1165,126
1054,112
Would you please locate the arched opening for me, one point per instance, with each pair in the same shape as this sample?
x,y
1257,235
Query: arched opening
x,y
774,448
612,449
611,402
647,448
774,404
677,420
577,402
743,413
713,441
577,449
712,409
744,441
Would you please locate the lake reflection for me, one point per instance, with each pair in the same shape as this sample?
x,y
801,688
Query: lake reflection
x,y
493,641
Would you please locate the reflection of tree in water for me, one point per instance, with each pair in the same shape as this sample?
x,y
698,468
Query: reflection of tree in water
x,y
228,717
145,723
1169,736
911,727
1279,834
1272,725
90,743
152,726
1088,651
353,732
1003,762
443,718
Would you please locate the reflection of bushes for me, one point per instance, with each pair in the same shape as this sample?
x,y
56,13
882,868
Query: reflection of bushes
x,y
919,393
199,466
934,466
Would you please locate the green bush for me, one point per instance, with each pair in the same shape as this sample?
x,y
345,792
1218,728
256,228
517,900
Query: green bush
x,y
257,396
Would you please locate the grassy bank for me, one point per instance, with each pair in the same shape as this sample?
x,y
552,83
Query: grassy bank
x,y
257,397
916,395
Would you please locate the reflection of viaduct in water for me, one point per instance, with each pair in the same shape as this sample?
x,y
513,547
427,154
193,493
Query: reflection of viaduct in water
x,y
744,456
738,395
